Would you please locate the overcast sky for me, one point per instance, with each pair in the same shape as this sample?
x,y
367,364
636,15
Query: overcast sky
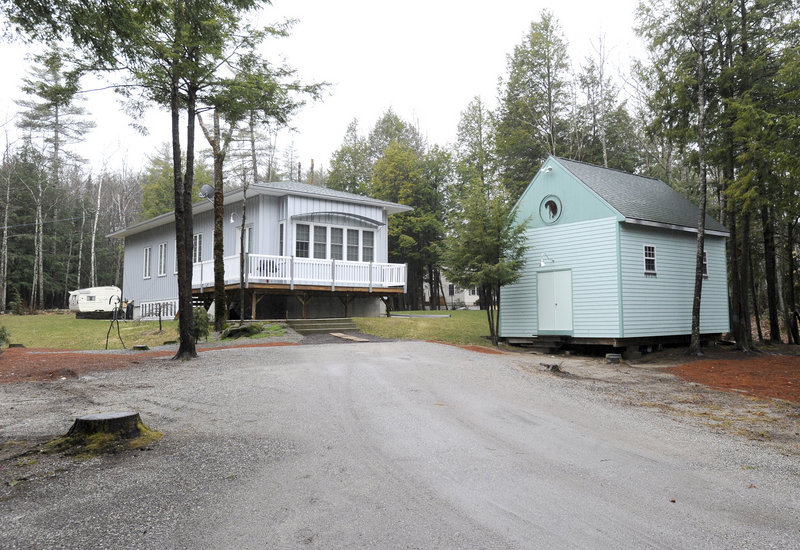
x,y
424,59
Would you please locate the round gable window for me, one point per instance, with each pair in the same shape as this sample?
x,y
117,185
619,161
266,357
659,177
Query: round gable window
x,y
550,209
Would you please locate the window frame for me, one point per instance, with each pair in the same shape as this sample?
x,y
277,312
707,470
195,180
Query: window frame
x,y
146,267
339,245
297,240
364,246
162,259
653,257
248,239
197,248
315,231
705,265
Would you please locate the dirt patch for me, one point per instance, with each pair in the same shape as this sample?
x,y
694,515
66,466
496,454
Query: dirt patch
x,y
32,364
478,349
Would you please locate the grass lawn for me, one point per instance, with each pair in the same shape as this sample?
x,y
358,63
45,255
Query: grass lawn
x,y
465,327
64,331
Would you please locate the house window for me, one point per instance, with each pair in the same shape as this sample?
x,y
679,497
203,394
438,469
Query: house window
x,y
176,257
352,245
451,289
367,246
650,260
337,243
301,241
473,291
197,247
162,259
280,239
146,270
320,241
705,265
248,239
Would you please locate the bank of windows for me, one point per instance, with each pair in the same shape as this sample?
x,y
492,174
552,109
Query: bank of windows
x,y
336,243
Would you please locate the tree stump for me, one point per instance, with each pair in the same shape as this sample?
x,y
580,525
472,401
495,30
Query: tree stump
x,y
122,424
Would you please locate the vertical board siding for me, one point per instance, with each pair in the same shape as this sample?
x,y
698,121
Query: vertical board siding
x,y
589,250
134,286
264,213
662,305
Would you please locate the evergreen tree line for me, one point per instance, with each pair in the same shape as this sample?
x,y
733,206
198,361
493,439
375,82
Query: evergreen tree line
x,y
714,106
57,212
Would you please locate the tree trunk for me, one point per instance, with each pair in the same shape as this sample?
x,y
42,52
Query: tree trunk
x,y
219,151
739,315
770,272
183,212
80,244
790,294
4,247
242,254
694,347
92,252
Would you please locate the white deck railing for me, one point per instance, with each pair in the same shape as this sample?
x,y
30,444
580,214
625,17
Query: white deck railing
x,y
288,270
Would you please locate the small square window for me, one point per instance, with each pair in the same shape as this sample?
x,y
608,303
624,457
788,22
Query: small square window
x,y
705,265
650,260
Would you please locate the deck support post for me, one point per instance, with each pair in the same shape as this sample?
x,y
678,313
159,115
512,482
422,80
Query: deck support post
x,y
333,274
346,300
304,299
254,300
386,302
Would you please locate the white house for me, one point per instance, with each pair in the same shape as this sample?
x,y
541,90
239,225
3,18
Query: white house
x,y
611,260
310,252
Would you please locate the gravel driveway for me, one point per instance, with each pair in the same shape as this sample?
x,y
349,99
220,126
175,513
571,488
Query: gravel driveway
x,y
386,445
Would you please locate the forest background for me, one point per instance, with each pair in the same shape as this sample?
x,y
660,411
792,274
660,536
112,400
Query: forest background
x,y
715,100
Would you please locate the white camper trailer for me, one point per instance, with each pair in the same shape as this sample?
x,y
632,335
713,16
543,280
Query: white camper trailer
x,y
98,301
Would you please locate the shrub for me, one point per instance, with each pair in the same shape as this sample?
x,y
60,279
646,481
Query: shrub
x,y
201,323
5,336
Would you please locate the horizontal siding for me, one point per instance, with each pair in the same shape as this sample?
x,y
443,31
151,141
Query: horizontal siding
x,y
662,305
588,249
518,307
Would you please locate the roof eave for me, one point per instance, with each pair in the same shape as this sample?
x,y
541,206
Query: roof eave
x,y
662,225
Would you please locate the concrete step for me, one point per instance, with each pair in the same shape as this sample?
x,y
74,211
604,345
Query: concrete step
x,y
308,326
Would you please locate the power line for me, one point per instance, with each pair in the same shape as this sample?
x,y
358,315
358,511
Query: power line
x,y
34,223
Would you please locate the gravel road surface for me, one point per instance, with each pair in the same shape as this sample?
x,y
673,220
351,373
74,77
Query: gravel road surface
x,y
384,445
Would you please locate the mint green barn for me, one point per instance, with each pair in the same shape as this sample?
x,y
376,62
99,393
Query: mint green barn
x,y
611,260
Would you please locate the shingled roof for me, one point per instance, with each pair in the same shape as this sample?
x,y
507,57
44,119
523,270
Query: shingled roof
x,y
638,198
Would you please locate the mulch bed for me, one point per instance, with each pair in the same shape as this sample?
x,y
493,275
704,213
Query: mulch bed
x,y
762,375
